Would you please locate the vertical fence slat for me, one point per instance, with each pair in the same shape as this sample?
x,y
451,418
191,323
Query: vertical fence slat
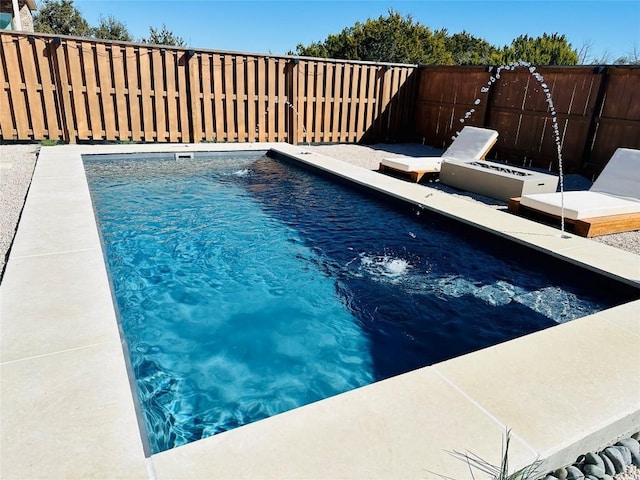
x,y
78,88
240,99
251,99
207,97
133,92
7,130
354,101
34,100
195,96
319,102
271,99
122,117
171,89
347,73
218,97
64,90
144,62
228,98
160,97
182,96
91,80
107,91
281,98
261,109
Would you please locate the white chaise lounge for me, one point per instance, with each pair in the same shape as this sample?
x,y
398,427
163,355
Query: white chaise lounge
x,y
472,143
611,205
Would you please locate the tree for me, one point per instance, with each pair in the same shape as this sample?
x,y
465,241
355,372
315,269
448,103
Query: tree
x,y
393,38
60,17
470,50
545,50
111,29
163,37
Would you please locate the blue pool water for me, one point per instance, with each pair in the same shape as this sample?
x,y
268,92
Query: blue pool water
x,y
247,287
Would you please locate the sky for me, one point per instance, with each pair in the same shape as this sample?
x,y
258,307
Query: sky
x,y
608,28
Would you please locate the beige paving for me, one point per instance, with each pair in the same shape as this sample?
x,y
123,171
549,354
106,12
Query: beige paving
x,y
68,410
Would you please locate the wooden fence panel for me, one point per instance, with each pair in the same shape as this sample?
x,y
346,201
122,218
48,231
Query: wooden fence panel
x,y
444,96
618,122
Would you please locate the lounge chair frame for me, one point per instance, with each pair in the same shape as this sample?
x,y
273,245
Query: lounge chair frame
x,y
585,227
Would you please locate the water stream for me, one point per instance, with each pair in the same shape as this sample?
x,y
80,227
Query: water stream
x,y
554,120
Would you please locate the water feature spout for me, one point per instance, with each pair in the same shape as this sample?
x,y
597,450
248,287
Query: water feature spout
x,y
554,121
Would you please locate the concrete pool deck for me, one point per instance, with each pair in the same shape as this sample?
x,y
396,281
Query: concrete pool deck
x,y
68,411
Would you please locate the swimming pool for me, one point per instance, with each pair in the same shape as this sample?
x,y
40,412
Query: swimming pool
x,y
247,287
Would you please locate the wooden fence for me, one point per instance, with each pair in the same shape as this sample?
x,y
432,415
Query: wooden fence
x,y
75,89
597,110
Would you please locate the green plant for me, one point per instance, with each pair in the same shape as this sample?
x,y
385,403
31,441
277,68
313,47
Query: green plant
x,y
497,472
48,142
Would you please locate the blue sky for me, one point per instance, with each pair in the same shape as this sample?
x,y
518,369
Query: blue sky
x,y
610,28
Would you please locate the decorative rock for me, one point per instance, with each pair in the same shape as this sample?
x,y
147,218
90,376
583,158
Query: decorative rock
x,y
574,473
636,436
591,477
594,459
626,454
594,470
616,458
635,459
550,477
560,473
606,477
631,443
609,469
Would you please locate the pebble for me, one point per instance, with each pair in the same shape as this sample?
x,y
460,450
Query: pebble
x,y
574,473
625,452
594,459
609,469
594,470
616,458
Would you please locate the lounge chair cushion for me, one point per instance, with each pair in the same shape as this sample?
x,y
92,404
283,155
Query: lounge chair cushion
x,y
472,143
621,175
580,204
416,164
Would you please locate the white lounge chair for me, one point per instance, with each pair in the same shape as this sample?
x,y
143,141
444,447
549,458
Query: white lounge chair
x,y
472,143
611,205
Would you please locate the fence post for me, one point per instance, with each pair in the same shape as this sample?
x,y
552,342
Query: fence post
x,y
62,87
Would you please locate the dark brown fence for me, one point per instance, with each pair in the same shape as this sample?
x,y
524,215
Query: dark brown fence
x,y
76,89
597,110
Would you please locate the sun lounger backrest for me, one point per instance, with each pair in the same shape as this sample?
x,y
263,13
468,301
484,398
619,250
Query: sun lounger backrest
x,y
472,143
621,176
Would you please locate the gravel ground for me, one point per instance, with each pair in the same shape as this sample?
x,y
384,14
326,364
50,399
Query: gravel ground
x,y
17,163
16,169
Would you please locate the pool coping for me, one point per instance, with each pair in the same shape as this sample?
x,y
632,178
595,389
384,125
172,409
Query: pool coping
x,y
67,406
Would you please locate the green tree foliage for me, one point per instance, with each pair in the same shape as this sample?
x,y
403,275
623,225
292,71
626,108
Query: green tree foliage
x,y
60,17
111,29
545,50
163,37
393,38
470,50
